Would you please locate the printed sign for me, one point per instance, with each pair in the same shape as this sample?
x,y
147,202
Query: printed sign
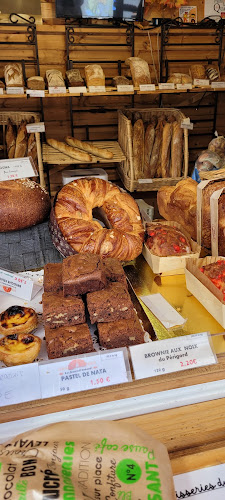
x,y
81,373
214,8
15,284
172,355
188,14
184,86
218,85
77,90
19,384
35,93
125,88
166,86
1,90
96,88
17,168
147,87
57,90
199,82
35,127
14,90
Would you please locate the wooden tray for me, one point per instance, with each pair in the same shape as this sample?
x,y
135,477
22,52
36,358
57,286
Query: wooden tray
x,y
52,156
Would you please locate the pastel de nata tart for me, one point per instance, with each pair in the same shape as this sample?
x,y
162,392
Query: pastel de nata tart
x,y
18,319
19,348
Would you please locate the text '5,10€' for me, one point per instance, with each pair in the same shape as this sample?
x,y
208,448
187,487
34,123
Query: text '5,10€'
x,y
172,355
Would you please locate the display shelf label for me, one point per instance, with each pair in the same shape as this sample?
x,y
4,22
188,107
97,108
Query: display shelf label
x,y
17,168
35,93
184,86
81,373
15,90
147,87
16,284
145,181
35,127
96,88
125,88
186,123
77,90
218,85
201,83
172,355
1,90
19,384
166,86
57,90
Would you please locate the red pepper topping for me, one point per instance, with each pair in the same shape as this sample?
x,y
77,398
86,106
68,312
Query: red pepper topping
x,y
202,269
176,248
152,233
182,239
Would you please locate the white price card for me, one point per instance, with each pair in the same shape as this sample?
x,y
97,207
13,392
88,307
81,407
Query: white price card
x,y
1,90
172,355
16,284
184,86
15,90
77,90
84,372
145,181
161,308
17,168
198,82
19,384
96,88
147,87
125,88
35,93
35,127
186,123
218,85
57,90
166,86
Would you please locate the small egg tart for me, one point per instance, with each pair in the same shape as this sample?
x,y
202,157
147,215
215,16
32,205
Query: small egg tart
x,y
19,348
18,319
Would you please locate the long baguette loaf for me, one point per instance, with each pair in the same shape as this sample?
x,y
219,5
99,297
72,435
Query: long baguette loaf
x,y
90,148
155,162
21,140
10,138
138,148
68,150
165,154
149,142
176,150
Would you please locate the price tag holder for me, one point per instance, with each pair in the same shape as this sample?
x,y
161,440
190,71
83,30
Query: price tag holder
x,y
198,82
1,90
148,87
184,86
19,384
96,88
81,373
35,127
125,88
77,90
17,168
218,85
35,93
15,90
166,86
16,284
57,90
172,355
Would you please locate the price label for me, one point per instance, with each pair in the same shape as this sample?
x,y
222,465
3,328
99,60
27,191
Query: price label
x,y
15,90
96,88
17,168
186,123
1,90
166,86
218,85
15,284
35,127
19,384
172,355
77,90
81,373
184,86
125,88
145,181
57,90
147,87
35,93
198,82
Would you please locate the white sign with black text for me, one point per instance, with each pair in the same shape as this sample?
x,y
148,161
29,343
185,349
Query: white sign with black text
x,y
17,168
19,384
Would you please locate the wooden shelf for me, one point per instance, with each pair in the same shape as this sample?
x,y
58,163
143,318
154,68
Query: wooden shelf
x,y
51,156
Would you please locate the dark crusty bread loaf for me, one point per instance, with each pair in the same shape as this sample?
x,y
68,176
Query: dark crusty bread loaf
x,y
23,203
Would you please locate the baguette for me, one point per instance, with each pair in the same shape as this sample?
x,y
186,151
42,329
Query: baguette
x,y
77,154
10,139
32,148
165,154
176,150
155,162
138,148
89,148
149,142
21,140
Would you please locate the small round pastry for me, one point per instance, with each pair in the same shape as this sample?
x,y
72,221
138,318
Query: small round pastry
x,y
18,319
19,348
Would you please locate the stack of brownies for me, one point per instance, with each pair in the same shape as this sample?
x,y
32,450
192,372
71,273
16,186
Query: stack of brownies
x,y
102,285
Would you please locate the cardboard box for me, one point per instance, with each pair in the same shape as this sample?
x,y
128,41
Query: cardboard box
x,y
168,266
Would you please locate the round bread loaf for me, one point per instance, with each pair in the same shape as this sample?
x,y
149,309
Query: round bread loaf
x,y
23,203
73,212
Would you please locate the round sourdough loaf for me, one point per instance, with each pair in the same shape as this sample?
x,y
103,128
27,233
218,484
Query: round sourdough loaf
x,y
23,203
73,212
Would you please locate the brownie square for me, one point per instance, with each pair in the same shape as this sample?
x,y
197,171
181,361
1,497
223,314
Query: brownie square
x,y
68,341
59,310
114,271
110,304
121,333
53,277
82,273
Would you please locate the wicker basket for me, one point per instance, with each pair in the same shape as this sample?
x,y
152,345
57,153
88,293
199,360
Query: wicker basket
x,y
16,118
126,167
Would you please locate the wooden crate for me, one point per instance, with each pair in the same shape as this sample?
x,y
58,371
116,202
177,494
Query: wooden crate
x,y
16,118
126,167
